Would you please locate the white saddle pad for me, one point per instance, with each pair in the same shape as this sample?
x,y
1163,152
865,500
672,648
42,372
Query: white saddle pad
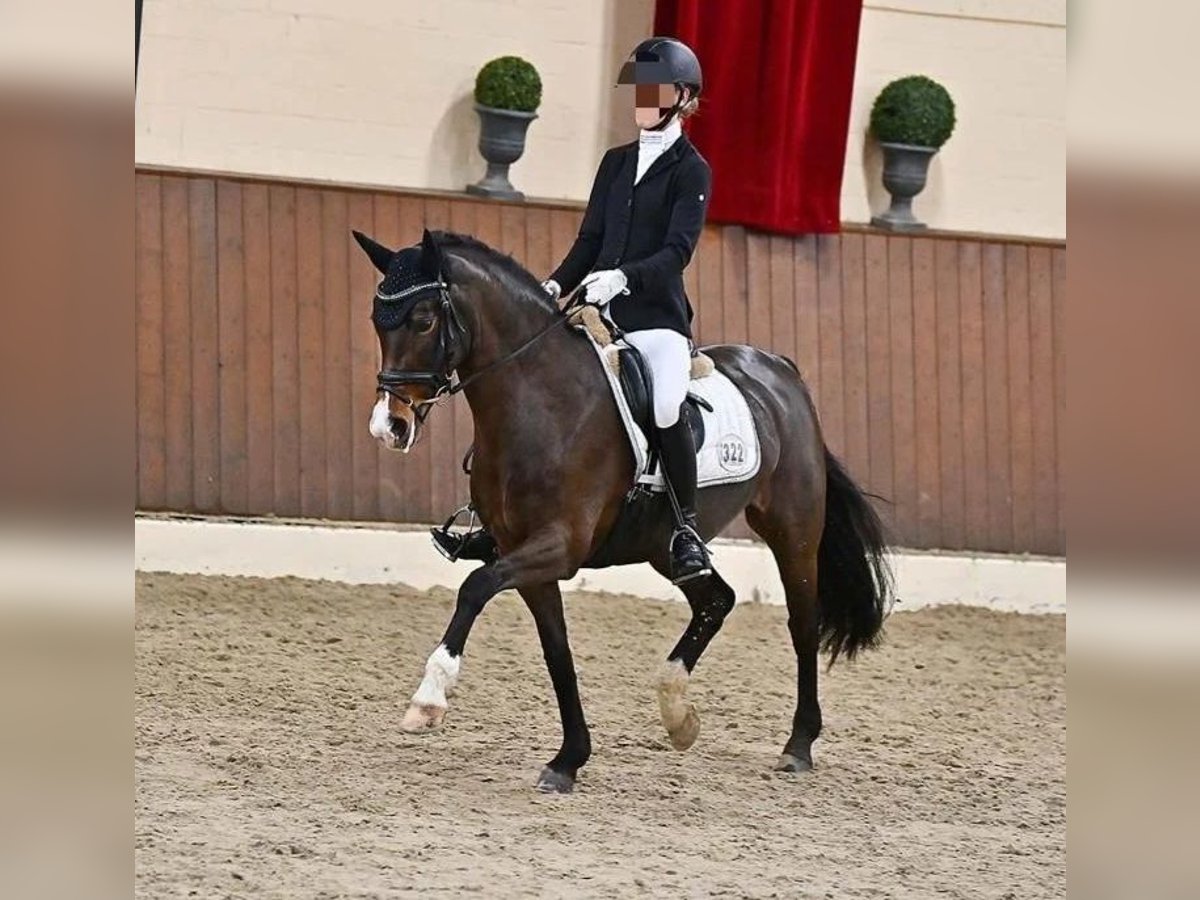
x,y
730,452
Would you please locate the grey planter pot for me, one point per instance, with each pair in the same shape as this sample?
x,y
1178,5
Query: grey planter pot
x,y
905,168
501,141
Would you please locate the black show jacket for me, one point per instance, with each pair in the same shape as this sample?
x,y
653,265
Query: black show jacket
x,y
648,231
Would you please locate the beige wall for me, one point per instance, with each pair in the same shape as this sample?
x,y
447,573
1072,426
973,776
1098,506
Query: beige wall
x,y
1005,63
379,92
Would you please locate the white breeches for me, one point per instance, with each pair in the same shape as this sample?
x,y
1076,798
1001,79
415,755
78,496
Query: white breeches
x,y
669,358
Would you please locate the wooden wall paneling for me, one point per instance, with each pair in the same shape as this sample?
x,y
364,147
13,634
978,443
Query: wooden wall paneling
x,y
285,370
782,296
537,240
733,284
974,399
879,373
995,350
925,350
231,349
310,337
949,380
806,298
758,291
1041,342
1016,283
260,382
904,383
831,400
1059,291
206,390
177,343
149,330
339,308
708,299
854,357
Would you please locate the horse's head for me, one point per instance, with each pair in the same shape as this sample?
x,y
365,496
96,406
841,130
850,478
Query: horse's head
x,y
421,337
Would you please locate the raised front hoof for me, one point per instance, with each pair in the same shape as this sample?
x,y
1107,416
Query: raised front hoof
x,y
789,763
422,719
551,782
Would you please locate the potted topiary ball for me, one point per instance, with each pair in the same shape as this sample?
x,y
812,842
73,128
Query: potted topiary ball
x,y
507,91
912,118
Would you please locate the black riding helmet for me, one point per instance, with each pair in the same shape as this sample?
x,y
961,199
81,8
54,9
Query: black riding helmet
x,y
663,60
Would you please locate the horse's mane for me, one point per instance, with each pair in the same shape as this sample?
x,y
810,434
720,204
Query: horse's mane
x,y
509,274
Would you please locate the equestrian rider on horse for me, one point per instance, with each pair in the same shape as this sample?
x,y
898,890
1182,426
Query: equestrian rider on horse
x,y
643,218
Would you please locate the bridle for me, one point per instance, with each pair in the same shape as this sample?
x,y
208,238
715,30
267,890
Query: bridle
x,y
454,344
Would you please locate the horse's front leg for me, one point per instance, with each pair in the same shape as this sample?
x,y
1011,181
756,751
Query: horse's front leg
x,y
429,703
541,559
545,602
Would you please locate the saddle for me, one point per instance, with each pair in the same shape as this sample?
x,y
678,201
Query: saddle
x,y
638,388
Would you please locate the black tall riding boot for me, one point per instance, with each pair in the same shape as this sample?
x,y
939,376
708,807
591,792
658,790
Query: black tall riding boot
x,y
689,556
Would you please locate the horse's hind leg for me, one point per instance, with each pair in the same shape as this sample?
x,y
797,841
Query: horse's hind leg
x,y
795,550
711,599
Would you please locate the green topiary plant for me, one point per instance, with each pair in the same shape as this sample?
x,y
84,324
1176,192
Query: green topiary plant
x,y
914,110
509,82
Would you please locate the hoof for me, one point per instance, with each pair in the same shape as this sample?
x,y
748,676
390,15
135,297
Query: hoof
x,y
685,733
551,782
789,763
422,718
679,716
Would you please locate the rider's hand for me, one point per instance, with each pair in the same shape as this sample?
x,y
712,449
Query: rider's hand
x,y
603,286
552,288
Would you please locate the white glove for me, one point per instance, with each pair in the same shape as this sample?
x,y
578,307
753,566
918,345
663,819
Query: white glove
x,y
603,286
552,288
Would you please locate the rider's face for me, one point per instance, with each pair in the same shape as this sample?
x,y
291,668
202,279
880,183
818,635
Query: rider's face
x,y
652,102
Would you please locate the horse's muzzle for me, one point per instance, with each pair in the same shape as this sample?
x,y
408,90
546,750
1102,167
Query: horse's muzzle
x,y
394,432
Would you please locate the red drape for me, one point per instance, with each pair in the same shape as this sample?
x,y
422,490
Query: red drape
x,y
775,111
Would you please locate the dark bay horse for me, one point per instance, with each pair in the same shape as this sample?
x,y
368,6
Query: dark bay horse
x,y
552,468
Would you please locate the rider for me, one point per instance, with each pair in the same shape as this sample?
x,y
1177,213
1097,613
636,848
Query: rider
x,y
643,218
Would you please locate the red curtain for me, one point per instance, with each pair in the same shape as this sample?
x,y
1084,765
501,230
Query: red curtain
x,y
775,111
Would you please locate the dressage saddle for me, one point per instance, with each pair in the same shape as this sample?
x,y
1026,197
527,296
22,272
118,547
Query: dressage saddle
x,y
638,388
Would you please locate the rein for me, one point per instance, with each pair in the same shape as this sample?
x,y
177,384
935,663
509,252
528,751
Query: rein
x,y
389,381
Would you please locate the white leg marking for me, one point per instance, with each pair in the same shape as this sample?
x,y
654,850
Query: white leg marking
x,y
678,714
428,706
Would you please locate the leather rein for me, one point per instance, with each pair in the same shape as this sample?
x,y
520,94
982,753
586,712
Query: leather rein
x,y
446,383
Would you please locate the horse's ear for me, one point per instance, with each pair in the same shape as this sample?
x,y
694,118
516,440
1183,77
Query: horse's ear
x,y
431,256
380,255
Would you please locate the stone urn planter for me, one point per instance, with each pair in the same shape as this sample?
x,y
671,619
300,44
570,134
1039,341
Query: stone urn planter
x,y
501,142
905,169
508,91
912,118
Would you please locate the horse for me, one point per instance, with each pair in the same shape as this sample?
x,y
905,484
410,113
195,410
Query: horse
x,y
552,469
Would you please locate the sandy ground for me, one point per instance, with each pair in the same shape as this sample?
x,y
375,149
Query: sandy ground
x,y
269,763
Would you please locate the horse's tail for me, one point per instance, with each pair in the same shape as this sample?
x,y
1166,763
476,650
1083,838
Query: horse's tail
x,y
854,580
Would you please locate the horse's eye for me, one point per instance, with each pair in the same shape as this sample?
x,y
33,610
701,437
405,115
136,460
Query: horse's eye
x,y
423,326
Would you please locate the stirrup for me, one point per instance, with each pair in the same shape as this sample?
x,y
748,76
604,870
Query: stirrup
x,y
449,543
705,569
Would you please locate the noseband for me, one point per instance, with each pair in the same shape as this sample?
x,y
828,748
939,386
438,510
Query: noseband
x,y
455,342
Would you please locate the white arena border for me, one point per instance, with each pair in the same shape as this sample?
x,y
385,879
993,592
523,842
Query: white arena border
x,y
386,554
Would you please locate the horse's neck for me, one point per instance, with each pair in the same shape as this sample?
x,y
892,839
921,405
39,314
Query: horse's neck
x,y
552,374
